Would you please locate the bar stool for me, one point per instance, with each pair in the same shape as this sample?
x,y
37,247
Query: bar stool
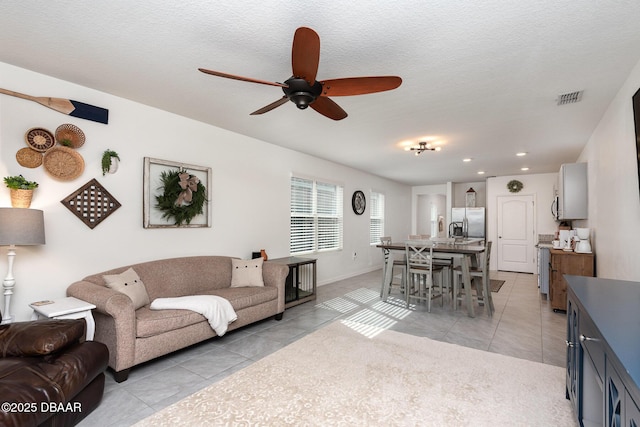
x,y
398,264
420,269
483,292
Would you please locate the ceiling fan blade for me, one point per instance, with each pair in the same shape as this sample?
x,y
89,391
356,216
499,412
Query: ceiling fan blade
x,y
305,54
244,79
359,85
271,106
328,108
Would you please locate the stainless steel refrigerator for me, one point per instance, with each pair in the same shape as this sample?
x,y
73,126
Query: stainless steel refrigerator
x,y
472,219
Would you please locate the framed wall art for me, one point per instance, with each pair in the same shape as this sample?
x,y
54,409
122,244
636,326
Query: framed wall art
x,y
636,121
91,203
176,195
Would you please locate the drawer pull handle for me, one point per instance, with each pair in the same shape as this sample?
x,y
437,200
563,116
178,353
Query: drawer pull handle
x,y
584,338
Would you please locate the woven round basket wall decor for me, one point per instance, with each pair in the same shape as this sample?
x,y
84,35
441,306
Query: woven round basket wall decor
x,y
39,139
63,163
29,158
70,135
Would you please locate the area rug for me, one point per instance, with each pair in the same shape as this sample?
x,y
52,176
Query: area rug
x,y
350,374
496,285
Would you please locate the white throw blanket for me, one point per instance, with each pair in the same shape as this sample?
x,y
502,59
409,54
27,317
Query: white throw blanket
x,y
217,310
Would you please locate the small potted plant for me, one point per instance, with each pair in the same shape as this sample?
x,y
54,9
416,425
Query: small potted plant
x,y
110,161
21,190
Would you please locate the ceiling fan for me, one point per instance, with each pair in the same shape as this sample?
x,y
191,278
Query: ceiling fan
x,y
304,90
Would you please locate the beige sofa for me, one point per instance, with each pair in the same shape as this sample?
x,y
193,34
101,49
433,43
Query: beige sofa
x,y
134,336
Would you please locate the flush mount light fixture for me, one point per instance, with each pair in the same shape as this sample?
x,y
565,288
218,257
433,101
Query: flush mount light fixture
x,y
520,154
480,172
422,147
524,169
468,159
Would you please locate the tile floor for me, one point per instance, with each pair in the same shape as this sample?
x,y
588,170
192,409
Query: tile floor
x,y
523,326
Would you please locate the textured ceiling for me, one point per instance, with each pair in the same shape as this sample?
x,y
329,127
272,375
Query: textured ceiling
x,y
481,78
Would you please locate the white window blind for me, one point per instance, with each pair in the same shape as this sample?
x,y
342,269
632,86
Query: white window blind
x,y
316,216
376,224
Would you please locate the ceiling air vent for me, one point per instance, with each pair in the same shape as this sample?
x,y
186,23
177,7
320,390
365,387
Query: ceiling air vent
x,y
570,98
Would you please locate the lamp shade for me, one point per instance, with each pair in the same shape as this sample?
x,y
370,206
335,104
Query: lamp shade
x,y
20,226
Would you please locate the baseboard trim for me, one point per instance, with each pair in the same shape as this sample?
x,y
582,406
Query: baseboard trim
x,y
350,275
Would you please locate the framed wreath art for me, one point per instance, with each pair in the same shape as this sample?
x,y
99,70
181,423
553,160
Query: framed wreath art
x,y
514,186
176,194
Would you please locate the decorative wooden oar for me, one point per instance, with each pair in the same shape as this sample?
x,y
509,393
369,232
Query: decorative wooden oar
x,y
66,106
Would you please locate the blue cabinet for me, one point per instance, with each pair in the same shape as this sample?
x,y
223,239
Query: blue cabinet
x,y
632,413
614,399
603,358
573,352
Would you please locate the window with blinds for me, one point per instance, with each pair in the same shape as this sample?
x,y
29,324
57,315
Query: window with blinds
x,y
316,216
376,223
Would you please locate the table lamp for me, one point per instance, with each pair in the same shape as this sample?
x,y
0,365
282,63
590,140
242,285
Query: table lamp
x,y
18,227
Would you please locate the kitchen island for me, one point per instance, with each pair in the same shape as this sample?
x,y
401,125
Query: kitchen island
x,y
603,355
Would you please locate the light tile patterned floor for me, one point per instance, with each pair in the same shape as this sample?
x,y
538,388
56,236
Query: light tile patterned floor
x,y
523,326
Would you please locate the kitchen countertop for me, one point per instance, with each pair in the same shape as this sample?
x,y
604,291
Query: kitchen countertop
x,y
544,244
547,245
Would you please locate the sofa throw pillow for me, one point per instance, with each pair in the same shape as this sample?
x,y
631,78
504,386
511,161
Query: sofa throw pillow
x,y
246,272
129,284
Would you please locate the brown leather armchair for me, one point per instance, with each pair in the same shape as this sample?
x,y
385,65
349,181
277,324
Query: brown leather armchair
x,y
49,376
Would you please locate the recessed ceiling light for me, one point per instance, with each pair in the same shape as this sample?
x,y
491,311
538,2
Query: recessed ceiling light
x,y
524,169
480,172
468,159
520,154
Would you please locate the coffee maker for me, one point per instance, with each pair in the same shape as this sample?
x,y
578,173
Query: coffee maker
x,y
582,241
456,229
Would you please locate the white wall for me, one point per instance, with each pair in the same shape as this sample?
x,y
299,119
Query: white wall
x,y
460,189
422,191
423,215
538,185
614,201
250,201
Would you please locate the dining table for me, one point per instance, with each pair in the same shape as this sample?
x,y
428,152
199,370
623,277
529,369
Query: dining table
x,y
465,251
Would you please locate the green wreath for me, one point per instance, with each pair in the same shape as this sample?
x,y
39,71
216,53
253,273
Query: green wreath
x,y
514,186
183,196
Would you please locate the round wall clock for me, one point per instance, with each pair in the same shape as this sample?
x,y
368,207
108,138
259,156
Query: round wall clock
x,y
358,202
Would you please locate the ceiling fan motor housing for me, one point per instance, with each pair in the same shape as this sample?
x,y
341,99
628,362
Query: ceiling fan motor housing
x,y
300,92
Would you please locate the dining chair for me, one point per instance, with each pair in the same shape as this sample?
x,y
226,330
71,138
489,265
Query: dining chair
x,y
420,270
399,264
447,266
479,273
415,237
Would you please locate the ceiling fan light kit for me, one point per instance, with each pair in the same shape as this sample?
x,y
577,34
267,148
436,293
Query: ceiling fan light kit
x,y
301,93
304,90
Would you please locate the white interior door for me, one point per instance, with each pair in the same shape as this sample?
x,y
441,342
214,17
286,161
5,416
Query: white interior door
x,y
516,234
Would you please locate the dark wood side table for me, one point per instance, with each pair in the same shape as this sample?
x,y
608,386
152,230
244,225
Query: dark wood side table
x,y
300,285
